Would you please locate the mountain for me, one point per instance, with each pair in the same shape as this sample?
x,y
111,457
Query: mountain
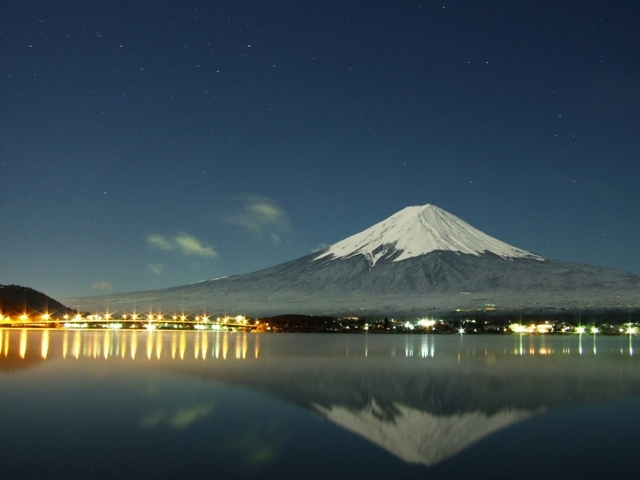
x,y
420,260
417,231
18,300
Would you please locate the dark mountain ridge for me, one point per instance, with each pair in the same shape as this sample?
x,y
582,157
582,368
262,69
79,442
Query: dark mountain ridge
x,y
18,300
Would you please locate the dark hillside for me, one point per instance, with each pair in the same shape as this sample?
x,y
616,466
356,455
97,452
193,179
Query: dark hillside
x,y
18,300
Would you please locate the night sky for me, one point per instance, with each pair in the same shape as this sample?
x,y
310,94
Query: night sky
x,y
152,144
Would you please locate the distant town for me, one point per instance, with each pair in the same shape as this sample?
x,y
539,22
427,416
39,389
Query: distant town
x,y
317,324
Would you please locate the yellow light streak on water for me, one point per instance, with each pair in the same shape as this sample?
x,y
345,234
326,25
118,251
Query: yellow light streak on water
x,y
225,345
1,338
149,344
23,343
76,344
256,347
6,344
238,348
44,345
96,345
106,344
134,344
196,346
245,345
158,345
65,344
183,344
122,344
217,343
174,345
205,345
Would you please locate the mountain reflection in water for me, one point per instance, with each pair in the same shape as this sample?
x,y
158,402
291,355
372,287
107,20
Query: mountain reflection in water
x,y
424,399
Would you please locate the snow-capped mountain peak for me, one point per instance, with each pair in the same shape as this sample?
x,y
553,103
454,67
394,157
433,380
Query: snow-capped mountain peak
x,y
419,230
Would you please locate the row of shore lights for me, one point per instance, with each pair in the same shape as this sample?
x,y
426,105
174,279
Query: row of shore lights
x,y
629,329
126,316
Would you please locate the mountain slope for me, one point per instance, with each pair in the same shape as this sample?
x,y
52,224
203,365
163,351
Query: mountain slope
x,y
418,260
18,300
416,231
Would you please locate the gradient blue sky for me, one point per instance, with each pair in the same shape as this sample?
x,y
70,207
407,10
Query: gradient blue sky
x,y
151,144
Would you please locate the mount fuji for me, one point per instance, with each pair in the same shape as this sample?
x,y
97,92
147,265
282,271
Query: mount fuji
x,y
420,260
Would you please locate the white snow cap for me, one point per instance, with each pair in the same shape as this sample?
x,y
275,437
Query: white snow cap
x,y
415,231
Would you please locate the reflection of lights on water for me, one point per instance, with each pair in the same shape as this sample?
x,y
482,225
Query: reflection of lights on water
x,y
205,345
244,345
424,347
158,345
174,345
76,344
183,344
122,344
521,348
238,347
65,344
580,340
408,348
106,344
196,346
134,344
96,345
44,346
225,345
149,344
23,343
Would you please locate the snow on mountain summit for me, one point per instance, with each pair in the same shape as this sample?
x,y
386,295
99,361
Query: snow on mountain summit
x,y
419,230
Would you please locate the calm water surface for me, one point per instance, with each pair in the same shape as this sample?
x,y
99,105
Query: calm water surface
x,y
106,404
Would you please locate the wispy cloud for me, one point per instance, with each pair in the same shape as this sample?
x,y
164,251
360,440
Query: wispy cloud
x,y
160,242
102,286
261,216
155,268
190,245
182,418
320,246
183,243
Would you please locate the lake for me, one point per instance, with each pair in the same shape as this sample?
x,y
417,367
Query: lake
x,y
184,404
